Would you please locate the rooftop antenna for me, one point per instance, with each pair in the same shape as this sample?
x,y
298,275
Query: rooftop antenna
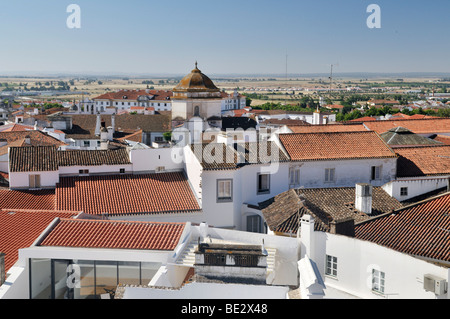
x,y
287,85
331,77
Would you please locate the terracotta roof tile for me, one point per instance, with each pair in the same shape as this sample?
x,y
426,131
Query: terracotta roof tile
x,y
423,161
20,229
336,145
445,139
122,194
422,229
111,234
282,212
213,156
36,138
40,199
83,126
48,158
158,95
420,126
328,128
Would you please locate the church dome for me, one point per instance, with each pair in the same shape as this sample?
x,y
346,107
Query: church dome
x,y
196,81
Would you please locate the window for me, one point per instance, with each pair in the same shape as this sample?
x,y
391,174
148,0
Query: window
x,y
404,191
122,171
34,181
378,281
159,139
294,176
331,266
197,111
263,183
86,143
85,279
254,224
224,190
83,171
329,175
376,173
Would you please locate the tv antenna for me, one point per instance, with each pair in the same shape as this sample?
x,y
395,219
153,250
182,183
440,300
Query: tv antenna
x,y
331,76
287,85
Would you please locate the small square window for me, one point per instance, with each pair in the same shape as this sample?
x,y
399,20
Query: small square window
x,y
122,171
404,191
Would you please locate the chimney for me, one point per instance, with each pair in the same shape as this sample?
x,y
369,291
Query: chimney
x,y
28,139
113,122
363,198
110,133
98,125
2,269
307,236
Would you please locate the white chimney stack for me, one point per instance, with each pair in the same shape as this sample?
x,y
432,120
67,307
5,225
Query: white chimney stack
x,y
307,236
98,125
363,198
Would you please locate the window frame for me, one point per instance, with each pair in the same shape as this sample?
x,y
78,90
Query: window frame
x,y
328,175
378,281
294,176
373,173
259,190
331,264
83,172
34,181
224,199
403,191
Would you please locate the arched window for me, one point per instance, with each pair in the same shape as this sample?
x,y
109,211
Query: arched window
x,y
197,111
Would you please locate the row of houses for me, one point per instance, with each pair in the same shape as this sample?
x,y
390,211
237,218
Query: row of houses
x,y
304,211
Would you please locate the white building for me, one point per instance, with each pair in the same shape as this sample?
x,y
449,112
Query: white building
x,y
123,100
156,265
350,268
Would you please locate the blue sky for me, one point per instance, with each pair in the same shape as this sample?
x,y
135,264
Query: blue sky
x,y
226,37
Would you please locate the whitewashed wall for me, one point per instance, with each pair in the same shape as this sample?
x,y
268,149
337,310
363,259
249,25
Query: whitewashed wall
x,y
229,214
148,160
347,172
94,170
356,259
4,163
20,180
416,186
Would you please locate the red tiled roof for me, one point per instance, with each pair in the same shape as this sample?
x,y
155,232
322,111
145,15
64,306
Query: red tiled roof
x,y
364,119
338,145
20,228
423,161
115,234
121,194
40,199
36,137
133,95
421,229
421,126
18,128
443,139
327,128
49,158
